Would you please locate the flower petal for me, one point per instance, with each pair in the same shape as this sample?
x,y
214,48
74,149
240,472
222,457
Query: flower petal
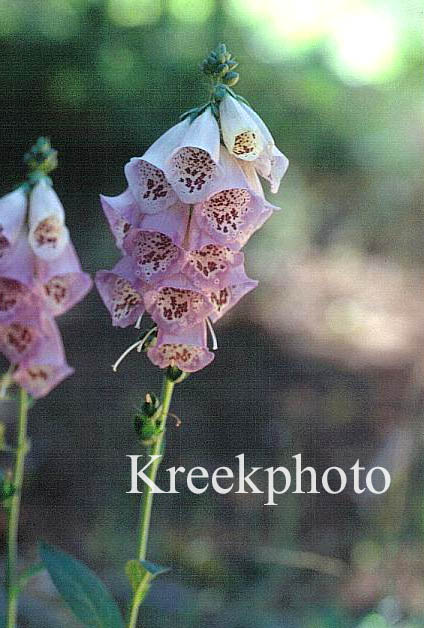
x,y
149,186
153,254
187,350
46,367
228,218
121,212
240,131
119,290
21,337
213,267
173,222
48,235
62,282
176,308
193,167
272,166
15,299
223,300
20,263
13,208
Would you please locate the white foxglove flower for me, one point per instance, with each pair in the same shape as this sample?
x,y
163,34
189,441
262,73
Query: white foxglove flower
x,y
48,235
247,137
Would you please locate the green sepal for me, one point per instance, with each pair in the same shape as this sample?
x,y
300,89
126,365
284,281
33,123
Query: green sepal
x,y
143,572
81,589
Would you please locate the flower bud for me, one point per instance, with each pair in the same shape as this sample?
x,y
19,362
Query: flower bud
x,y
231,78
222,68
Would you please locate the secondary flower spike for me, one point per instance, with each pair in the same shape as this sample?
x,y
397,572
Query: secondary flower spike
x,y
193,200
40,277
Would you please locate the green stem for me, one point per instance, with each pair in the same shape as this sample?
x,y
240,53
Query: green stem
x,y
13,513
147,497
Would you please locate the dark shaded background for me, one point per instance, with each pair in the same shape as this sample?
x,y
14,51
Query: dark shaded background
x,y
324,358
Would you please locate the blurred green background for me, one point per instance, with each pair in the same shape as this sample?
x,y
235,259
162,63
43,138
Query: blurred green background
x,y
324,358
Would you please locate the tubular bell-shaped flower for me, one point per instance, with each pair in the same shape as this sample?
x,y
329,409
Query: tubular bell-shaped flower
x,y
40,276
176,305
248,138
48,235
186,350
119,290
62,283
46,367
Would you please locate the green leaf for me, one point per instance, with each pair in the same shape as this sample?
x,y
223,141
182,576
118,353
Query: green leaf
x,y
81,589
154,570
29,573
143,571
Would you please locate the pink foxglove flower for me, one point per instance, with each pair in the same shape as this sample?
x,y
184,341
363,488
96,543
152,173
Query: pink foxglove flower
x,y
48,235
44,368
120,293
182,163
248,138
62,284
40,277
176,305
186,350
193,200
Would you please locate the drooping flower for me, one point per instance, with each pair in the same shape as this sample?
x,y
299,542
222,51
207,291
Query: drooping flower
x,y
226,298
62,283
182,163
42,370
48,235
186,350
175,305
40,277
247,137
153,255
119,290
193,200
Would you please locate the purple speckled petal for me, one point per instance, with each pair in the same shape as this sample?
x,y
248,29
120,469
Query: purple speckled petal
x,y
62,283
193,168
223,300
19,264
119,290
13,208
175,305
121,212
186,350
214,267
46,367
15,299
48,235
173,222
21,337
228,218
146,177
153,254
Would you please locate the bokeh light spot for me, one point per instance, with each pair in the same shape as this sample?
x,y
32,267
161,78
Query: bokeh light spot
x,y
191,10
132,13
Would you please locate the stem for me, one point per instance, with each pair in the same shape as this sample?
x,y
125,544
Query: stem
x,y
13,513
147,498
